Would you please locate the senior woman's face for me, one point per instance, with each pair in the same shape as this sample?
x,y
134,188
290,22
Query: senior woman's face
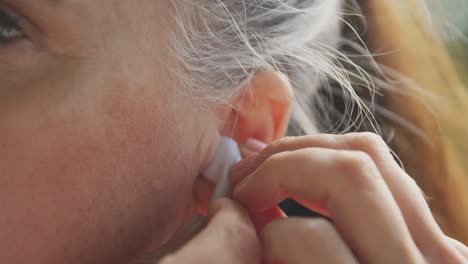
x,y
98,150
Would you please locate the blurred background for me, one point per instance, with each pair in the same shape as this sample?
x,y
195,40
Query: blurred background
x,y
440,108
450,17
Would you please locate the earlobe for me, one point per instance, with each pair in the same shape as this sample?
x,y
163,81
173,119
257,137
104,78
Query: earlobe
x,y
261,110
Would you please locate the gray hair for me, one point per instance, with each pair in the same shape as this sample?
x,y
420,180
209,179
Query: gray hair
x,y
220,44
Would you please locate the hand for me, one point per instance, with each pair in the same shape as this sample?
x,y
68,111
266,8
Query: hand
x,y
379,213
228,238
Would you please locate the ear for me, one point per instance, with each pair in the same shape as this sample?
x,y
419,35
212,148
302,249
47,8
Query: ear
x,y
261,110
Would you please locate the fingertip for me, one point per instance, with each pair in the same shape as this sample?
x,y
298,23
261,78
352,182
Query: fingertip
x,y
219,204
226,206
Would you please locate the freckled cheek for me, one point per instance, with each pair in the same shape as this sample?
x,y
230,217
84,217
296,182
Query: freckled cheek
x,y
106,175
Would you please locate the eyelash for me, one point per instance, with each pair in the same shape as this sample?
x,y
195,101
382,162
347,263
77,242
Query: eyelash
x,y
9,27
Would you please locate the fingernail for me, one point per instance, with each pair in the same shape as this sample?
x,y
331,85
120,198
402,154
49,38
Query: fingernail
x,y
254,145
250,149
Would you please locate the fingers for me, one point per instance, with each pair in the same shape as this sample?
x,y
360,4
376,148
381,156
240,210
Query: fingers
x,y
462,249
302,240
422,225
228,238
360,203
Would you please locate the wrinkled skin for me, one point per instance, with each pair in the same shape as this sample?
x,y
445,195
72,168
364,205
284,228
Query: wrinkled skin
x,y
95,139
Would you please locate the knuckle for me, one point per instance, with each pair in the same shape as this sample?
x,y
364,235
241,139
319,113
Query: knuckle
x,y
275,158
358,168
280,144
368,137
271,163
241,237
239,225
354,162
370,143
318,227
235,230
240,231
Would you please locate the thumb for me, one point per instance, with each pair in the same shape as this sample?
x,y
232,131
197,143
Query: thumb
x,y
229,237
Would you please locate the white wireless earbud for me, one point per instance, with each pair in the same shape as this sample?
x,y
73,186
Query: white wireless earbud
x,y
226,155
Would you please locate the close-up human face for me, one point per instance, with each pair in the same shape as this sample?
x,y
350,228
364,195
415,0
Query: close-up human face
x,y
99,150
154,131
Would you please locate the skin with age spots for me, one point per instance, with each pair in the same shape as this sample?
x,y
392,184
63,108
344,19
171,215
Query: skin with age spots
x,y
94,137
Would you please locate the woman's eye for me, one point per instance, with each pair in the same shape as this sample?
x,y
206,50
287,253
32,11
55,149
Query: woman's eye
x,y
9,28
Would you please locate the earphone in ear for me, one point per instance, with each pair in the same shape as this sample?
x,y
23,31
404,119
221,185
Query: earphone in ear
x,y
227,154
